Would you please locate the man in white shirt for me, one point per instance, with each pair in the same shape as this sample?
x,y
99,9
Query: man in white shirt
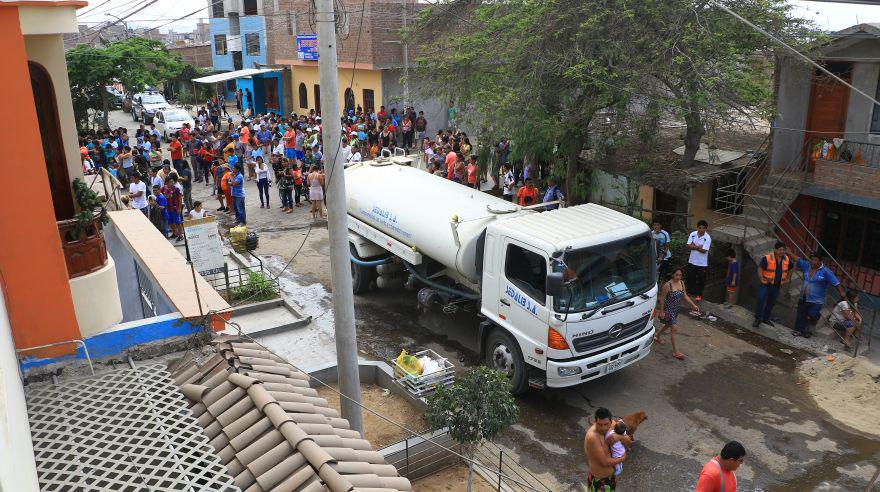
x,y
137,193
508,182
346,150
355,155
699,243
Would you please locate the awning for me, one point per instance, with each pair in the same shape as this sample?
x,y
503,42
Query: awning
x,y
221,77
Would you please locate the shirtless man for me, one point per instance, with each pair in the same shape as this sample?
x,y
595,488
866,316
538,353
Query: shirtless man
x,y
601,477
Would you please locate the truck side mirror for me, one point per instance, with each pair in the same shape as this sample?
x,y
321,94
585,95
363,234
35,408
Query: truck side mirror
x,y
555,284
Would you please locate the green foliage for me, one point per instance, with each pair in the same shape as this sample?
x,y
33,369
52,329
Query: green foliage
x,y
87,201
560,77
678,247
134,62
257,287
476,408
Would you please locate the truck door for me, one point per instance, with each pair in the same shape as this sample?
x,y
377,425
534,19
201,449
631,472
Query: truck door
x,y
523,295
489,287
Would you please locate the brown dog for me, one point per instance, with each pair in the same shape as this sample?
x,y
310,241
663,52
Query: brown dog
x,y
632,421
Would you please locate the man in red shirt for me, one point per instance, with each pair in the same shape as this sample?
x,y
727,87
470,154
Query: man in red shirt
x,y
718,474
176,149
184,139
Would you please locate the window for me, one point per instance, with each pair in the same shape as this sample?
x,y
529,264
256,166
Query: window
x,y
875,116
369,101
252,43
217,10
317,98
848,233
528,271
250,7
220,44
727,193
303,96
291,24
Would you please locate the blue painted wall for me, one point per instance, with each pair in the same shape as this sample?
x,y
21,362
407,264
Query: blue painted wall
x,y
255,24
125,336
256,84
221,62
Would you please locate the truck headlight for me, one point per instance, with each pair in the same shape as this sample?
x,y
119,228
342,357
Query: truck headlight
x,y
568,371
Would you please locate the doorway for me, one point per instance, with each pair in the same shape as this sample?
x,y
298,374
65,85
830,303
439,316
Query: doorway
x,y
53,146
270,92
317,99
829,104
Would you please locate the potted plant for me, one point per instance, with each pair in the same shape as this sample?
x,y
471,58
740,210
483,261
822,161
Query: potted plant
x,y
82,237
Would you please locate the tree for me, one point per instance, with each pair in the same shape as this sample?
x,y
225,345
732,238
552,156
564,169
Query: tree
x,y
576,74
476,408
134,63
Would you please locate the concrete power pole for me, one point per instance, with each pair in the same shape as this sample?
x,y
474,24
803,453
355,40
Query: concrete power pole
x,y
337,220
406,101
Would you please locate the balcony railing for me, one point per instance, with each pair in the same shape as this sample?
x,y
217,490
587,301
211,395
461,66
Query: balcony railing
x,y
84,249
861,153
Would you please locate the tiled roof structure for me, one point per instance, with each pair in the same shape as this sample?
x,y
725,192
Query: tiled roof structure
x,y
272,431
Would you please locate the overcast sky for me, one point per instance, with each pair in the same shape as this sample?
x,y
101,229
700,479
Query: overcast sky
x,y
830,16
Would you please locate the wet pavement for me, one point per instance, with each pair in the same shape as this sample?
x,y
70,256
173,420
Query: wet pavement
x,y
733,385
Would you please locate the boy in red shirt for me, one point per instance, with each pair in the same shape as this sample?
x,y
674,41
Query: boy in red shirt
x,y
176,153
528,194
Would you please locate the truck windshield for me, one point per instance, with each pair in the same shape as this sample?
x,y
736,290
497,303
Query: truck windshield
x,y
606,273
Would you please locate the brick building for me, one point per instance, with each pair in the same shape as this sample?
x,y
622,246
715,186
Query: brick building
x,y
197,55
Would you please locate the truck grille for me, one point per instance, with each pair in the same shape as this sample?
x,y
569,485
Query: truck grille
x,y
600,340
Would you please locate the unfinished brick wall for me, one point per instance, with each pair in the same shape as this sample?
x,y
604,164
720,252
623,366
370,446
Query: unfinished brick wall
x,y
848,177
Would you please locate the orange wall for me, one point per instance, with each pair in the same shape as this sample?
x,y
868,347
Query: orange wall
x,y
32,267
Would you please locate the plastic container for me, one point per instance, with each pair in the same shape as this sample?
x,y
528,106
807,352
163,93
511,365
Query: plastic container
x,y
422,385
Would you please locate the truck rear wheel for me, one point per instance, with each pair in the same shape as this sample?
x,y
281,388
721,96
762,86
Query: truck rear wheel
x,y
503,354
361,276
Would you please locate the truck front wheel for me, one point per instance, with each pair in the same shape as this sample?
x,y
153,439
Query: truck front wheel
x,y
503,354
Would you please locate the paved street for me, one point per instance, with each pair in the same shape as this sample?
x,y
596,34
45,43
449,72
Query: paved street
x,y
733,384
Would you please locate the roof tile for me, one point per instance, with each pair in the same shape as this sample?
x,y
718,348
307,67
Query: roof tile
x,y
271,429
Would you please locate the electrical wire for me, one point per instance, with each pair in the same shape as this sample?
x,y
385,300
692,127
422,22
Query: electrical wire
x,y
206,322
791,49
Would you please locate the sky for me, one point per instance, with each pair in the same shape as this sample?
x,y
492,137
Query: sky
x,y
832,16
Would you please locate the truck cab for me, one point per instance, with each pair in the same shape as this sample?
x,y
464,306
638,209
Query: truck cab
x,y
595,319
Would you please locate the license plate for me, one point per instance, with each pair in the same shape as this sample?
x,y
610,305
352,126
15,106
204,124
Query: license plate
x,y
613,366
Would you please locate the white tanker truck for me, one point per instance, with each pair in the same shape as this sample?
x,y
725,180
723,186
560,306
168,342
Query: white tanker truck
x,y
567,295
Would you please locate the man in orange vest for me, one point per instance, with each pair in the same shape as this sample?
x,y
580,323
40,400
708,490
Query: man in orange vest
x,y
774,271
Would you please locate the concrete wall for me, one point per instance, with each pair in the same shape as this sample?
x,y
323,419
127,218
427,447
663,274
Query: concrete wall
x,y
126,278
253,24
220,62
18,471
96,300
363,79
48,51
791,112
436,109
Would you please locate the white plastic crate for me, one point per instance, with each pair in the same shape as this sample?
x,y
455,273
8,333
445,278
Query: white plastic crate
x,y
421,385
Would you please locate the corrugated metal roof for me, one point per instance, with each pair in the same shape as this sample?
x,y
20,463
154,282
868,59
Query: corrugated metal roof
x,y
564,225
272,431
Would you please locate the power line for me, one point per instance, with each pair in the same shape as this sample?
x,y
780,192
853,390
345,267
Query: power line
x,y
791,49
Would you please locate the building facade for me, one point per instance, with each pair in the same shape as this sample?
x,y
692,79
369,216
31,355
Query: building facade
x,y
830,135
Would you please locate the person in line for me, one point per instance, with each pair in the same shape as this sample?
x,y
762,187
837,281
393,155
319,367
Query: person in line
x,y
601,477
731,280
774,271
699,243
185,177
527,194
552,194
846,315
817,277
227,190
473,173
173,209
286,187
263,181
156,214
176,149
137,192
661,242
316,192
719,474
236,186
669,303
298,180
508,182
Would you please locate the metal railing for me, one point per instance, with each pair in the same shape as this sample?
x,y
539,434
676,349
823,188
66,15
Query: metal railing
x,y
111,187
747,178
233,284
418,457
863,153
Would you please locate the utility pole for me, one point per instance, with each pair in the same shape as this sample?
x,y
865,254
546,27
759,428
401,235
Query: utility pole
x,y
337,220
406,101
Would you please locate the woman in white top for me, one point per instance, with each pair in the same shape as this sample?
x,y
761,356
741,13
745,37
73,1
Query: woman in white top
x,y
262,170
198,212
